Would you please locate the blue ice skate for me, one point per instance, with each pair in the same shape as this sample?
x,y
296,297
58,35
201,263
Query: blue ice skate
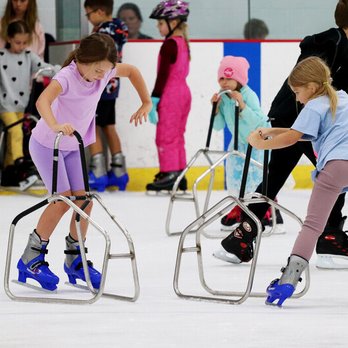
x,y
38,270
121,181
75,271
99,183
280,292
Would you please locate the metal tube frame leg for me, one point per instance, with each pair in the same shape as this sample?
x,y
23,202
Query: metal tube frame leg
x,y
218,210
107,256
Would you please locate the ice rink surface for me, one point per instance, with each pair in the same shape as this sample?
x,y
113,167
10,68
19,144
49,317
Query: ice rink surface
x,y
159,318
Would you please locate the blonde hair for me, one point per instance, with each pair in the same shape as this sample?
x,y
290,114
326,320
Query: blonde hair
x,y
184,28
315,70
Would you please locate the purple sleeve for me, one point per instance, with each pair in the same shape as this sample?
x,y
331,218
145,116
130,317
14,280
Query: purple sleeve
x,y
61,79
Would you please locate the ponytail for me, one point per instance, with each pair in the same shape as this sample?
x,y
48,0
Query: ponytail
x,y
331,92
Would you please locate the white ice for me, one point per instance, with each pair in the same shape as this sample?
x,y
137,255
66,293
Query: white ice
x,y
159,318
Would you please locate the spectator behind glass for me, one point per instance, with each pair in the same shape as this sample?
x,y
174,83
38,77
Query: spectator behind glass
x,y
255,29
25,10
130,14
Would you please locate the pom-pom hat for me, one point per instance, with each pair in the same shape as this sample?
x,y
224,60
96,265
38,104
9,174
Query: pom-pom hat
x,y
235,68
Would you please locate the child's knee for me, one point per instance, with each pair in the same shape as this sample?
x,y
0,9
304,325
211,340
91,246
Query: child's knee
x,y
62,208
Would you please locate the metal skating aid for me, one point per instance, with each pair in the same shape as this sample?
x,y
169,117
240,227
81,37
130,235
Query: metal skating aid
x,y
80,214
202,222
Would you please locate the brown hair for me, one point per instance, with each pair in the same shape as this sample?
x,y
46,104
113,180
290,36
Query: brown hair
x,y
30,18
314,69
17,27
94,48
105,5
341,14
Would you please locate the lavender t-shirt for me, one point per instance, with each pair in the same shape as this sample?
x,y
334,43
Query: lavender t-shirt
x,y
75,105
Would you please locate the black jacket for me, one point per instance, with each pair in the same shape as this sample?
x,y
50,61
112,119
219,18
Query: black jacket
x,y
332,47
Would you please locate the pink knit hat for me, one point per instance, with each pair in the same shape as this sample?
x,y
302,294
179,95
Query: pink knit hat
x,y
235,68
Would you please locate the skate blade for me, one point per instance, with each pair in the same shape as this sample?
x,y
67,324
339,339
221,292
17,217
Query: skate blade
x,y
328,262
34,287
165,193
272,304
81,287
223,255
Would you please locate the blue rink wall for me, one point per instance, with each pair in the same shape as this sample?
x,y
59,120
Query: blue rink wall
x,y
270,63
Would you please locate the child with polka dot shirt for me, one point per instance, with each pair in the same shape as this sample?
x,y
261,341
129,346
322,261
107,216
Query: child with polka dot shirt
x,y
17,66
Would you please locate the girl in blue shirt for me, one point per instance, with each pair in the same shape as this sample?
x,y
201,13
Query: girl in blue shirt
x,y
323,121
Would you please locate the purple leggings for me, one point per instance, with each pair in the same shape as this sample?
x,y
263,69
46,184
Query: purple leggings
x,y
70,175
328,185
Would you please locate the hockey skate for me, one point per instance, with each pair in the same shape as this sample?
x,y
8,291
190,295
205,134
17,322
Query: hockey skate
x,y
97,176
230,221
283,288
164,181
332,248
238,246
35,267
73,265
118,176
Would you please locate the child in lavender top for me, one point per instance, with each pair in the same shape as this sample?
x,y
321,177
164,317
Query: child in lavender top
x,y
68,104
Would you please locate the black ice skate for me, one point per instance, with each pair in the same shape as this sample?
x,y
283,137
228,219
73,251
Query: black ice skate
x,y
232,219
238,246
164,181
332,246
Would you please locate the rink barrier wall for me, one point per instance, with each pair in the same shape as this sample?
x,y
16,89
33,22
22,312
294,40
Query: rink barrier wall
x,y
270,63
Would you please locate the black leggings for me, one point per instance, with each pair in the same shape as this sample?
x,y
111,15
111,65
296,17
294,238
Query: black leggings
x,y
281,164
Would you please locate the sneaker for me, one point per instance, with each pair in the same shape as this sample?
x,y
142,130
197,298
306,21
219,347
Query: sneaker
x,y
331,245
238,246
229,221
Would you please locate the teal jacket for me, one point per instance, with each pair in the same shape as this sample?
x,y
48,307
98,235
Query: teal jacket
x,y
250,118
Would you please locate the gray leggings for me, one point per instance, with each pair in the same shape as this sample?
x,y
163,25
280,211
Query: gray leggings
x,y
328,185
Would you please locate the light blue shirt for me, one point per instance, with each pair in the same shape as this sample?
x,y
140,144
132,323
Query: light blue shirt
x,y
329,135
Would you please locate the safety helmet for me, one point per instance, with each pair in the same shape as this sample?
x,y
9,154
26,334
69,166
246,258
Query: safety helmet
x,y
171,9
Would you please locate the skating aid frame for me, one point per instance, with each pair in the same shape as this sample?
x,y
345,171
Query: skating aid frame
x,y
216,212
96,294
